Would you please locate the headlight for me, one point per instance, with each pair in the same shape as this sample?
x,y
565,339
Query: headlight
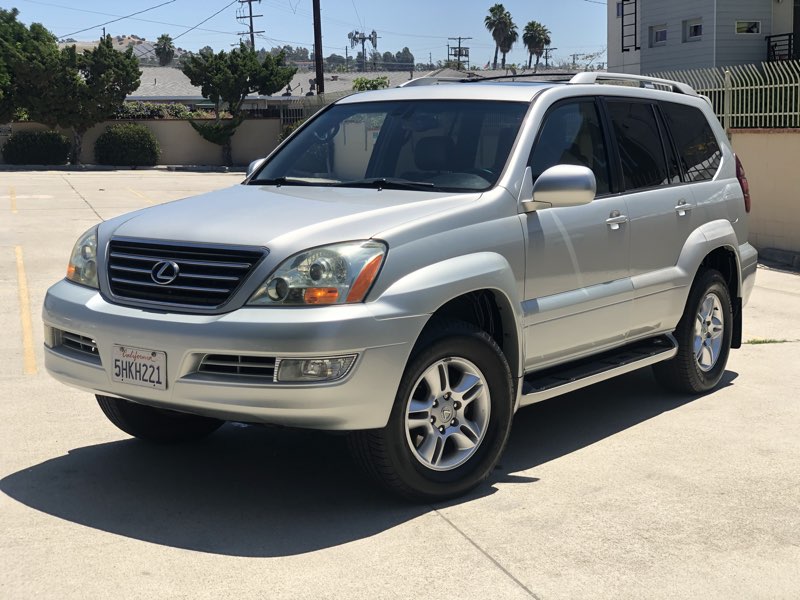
x,y
82,266
337,274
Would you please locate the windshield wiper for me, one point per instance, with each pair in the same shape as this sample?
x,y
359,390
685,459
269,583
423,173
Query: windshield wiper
x,y
393,183
279,181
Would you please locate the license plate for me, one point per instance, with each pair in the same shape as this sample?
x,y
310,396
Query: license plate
x,y
139,366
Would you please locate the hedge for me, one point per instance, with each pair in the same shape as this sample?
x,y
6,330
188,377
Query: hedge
x,y
37,148
127,144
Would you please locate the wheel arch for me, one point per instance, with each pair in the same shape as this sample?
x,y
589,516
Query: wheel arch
x,y
479,288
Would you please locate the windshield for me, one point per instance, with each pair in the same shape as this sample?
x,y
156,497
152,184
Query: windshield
x,y
448,145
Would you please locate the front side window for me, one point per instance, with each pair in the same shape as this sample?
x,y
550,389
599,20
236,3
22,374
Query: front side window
x,y
571,135
639,141
450,145
697,147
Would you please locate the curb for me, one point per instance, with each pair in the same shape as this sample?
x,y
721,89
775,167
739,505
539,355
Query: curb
x,y
783,258
165,168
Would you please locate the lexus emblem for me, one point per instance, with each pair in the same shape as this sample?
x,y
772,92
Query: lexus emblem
x,y
165,272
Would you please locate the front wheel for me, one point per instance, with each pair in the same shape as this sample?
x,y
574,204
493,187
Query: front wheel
x,y
450,420
704,338
156,424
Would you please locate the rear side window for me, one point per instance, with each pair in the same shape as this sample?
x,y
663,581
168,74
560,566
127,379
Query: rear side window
x,y
639,141
698,149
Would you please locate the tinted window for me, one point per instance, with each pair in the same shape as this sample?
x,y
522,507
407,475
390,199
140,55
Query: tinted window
x,y
639,143
571,135
698,150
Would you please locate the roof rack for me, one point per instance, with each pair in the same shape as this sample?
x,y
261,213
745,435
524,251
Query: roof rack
x,y
475,78
644,81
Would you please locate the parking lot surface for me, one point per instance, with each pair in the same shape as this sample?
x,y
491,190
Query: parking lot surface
x,y
619,490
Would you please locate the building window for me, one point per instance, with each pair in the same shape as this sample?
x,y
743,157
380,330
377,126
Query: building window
x,y
619,10
658,35
748,26
692,30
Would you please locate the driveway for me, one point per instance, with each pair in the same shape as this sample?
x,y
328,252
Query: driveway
x,y
619,490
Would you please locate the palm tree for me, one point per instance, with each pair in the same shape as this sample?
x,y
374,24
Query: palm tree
x,y
535,37
496,22
165,49
509,39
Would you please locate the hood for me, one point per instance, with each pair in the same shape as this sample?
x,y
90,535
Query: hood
x,y
270,216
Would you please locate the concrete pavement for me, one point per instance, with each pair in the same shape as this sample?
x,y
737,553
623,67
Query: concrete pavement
x,y
619,490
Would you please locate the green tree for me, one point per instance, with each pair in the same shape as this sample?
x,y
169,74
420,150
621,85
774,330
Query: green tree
x,y
405,60
165,49
497,22
226,78
509,39
535,37
71,90
364,84
27,60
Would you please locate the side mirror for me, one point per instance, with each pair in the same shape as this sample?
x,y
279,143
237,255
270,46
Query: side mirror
x,y
254,165
560,186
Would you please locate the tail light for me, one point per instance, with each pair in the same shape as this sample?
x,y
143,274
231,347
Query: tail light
x,y
743,182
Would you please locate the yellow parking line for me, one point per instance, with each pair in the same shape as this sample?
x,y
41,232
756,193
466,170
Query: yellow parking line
x,y
28,357
12,194
142,196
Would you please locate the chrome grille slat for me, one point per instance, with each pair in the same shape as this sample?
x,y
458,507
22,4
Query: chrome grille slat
x,y
183,261
187,288
207,275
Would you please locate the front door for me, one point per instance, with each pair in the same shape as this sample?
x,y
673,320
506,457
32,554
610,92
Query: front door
x,y
577,284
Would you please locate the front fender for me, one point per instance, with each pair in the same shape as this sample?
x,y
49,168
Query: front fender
x,y
424,291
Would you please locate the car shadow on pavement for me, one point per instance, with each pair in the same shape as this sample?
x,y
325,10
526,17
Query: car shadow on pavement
x,y
262,492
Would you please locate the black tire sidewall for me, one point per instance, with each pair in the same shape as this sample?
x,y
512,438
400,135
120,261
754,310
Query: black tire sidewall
x,y
480,350
710,282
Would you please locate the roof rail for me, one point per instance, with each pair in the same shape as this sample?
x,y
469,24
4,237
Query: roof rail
x,y
644,81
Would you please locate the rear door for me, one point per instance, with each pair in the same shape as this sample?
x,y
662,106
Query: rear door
x,y
662,208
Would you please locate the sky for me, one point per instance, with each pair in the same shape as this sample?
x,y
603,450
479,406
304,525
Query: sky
x,y
576,26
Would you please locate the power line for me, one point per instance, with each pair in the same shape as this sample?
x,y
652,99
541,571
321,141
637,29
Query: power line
x,y
120,18
104,14
204,20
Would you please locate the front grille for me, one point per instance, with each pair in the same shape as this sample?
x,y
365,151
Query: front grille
x,y
207,275
231,364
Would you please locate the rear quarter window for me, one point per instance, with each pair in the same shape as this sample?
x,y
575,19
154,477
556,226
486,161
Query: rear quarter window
x,y
698,150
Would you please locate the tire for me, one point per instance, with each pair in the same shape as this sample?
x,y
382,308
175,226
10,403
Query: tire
x,y
156,424
451,417
704,338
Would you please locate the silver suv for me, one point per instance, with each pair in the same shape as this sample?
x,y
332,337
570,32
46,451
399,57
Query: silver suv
x,y
414,265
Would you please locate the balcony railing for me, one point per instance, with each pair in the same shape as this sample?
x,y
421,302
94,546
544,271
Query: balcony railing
x,y
782,47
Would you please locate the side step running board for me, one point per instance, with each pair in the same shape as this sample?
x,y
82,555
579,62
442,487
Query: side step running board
x,y
555,381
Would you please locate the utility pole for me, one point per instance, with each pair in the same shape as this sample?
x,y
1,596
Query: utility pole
x,y
547,52
458,51
318,48
252,32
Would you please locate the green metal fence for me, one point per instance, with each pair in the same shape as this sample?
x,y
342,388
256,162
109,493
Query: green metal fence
x,y
749,96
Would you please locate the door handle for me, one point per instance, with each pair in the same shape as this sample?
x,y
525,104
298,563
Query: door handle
x,y
616,219
683,208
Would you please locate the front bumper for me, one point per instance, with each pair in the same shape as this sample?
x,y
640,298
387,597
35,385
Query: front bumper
x,y
361,400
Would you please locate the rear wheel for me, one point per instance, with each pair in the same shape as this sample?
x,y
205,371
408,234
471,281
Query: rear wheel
x,y
450,420
704,338
156,424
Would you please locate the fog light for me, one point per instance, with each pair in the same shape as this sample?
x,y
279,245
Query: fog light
x,y
314,369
